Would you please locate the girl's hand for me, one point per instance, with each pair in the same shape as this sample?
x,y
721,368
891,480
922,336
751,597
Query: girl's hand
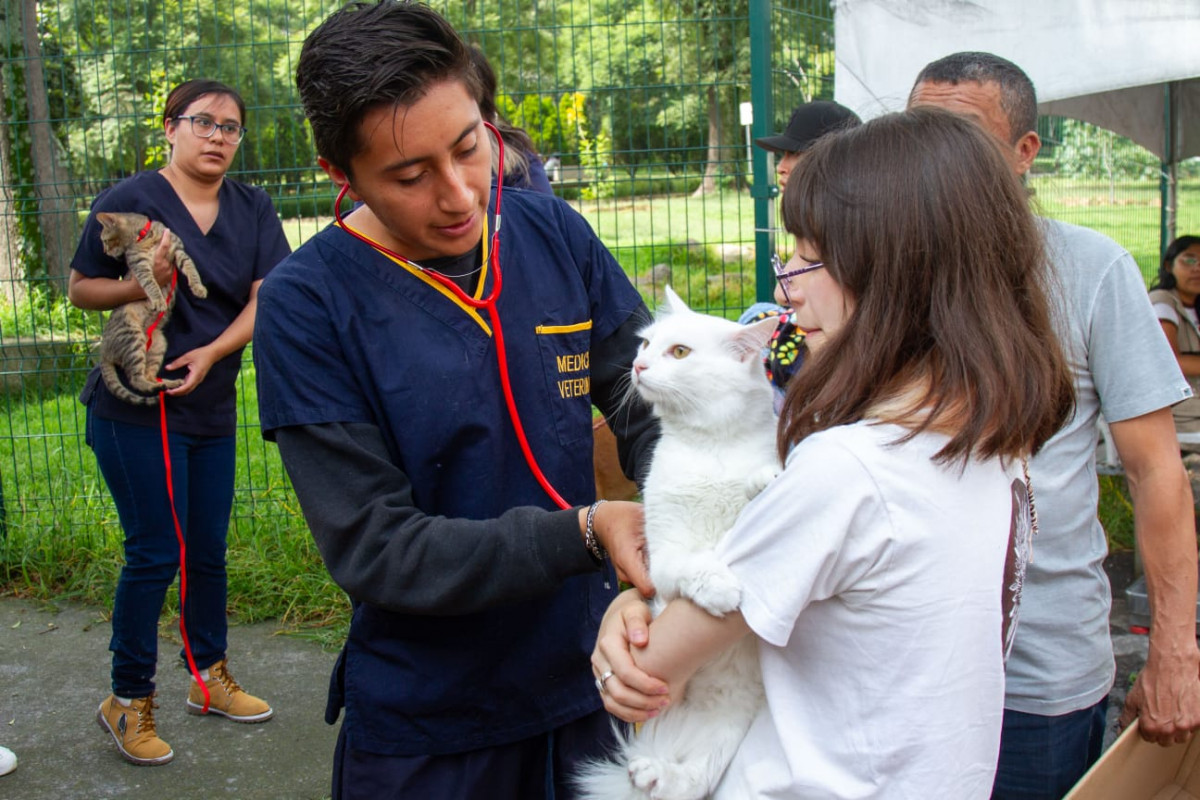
x,y
198,363
164,265
628,692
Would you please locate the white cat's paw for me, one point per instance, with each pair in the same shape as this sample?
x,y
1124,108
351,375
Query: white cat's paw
x,y
662,780
757,480
713,587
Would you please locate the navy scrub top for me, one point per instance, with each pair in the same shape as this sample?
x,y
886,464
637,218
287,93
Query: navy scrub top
x,y
245,242
344,334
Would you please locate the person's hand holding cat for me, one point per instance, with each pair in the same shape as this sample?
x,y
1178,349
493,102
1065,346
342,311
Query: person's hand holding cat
x,y
629,693
619,527
164,263
198,363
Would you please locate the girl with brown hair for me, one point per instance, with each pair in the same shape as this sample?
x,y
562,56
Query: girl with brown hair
x,y
881,570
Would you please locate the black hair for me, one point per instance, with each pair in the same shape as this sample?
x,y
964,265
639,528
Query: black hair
x,y
1018,98
188,92
368,55
1166,278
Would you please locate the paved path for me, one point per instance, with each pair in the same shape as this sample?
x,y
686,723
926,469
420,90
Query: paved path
x,y
54,673
54,668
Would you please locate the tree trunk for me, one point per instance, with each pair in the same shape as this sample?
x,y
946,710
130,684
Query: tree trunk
x,y
56,217
712,168
12,289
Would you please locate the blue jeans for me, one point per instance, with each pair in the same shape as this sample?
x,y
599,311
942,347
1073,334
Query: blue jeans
x,y
202,468
1041,758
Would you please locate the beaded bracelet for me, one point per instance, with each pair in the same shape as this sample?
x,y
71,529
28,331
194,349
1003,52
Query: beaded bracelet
x,y
589,537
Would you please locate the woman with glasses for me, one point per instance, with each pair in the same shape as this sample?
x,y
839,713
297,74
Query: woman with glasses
x,y
234,236
881,570
1173,295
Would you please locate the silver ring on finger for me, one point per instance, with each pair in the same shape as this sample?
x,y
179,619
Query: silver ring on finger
x,y
608,673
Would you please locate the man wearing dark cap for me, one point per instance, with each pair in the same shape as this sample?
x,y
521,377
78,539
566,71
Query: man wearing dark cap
x,y
809,122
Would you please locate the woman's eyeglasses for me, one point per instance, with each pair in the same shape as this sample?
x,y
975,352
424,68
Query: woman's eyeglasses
x,y
1189,260
785,278
205,128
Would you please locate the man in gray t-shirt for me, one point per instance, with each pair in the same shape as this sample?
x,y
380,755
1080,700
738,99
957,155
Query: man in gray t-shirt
x,y
1061,667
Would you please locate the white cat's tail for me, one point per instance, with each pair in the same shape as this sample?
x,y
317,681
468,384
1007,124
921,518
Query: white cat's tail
x,y
608,779
670,758
683,753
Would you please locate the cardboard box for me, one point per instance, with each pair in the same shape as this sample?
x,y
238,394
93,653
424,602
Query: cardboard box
x,y
1134,769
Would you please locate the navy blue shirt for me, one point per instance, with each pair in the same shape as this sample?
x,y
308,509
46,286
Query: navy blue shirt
x,y
245,242
347,336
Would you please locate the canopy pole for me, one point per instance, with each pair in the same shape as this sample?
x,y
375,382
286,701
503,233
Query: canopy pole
x,y
1166,179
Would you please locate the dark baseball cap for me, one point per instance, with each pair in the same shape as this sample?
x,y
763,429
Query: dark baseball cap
x,y
810,122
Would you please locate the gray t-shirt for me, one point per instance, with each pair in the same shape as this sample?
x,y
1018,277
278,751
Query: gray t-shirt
x,y
1123,367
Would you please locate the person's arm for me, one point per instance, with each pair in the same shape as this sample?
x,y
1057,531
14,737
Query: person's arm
x,y
381,549
200,360
1166,696
1188,362
682,639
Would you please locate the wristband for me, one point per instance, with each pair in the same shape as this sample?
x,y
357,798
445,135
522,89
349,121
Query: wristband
x,y
590,541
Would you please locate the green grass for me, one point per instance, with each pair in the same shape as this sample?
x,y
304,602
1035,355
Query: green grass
x,y
63,539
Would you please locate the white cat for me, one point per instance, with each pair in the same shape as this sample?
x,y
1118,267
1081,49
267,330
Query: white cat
x,y
704,378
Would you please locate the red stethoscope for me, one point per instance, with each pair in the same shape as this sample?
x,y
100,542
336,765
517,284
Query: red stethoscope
x,y
488,302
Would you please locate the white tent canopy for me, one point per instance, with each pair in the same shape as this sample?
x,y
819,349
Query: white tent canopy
x,y
1109,62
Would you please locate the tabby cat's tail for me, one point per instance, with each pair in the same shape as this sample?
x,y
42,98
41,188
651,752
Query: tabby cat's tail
x,y
118,390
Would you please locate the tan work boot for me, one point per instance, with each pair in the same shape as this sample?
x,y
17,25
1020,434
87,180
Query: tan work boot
x,y
226,697
132,728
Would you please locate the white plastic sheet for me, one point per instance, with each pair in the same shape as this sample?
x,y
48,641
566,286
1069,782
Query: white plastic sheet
x,y
1104,61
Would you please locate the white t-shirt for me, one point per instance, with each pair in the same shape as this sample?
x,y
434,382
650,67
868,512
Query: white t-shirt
x,y
1123,367
874,580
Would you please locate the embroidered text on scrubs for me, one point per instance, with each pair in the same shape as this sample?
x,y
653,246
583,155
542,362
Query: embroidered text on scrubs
x,y
573,363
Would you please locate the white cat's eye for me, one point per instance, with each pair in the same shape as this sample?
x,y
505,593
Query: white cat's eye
x,y
680,351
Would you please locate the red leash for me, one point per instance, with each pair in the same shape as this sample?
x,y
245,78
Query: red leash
x,y
162,418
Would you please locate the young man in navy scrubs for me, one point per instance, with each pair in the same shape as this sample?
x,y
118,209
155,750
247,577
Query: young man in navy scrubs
x,y
476,598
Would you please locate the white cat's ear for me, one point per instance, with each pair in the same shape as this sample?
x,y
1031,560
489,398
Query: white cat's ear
x,y
672,301
749,340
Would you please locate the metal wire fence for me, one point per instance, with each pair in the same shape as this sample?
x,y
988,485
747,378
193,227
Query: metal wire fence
x,y
638,107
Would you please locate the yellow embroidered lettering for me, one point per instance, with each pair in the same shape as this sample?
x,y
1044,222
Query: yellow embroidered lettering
x,y
573,362
574,387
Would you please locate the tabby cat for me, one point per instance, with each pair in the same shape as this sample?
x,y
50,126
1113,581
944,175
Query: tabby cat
x,y
123,344
703,376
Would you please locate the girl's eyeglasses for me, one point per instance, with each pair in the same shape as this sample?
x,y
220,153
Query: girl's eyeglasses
x,y
205,128
785,278
1189,261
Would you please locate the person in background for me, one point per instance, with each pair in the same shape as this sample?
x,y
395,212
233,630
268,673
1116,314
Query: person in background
x,y
881,570
1173,295
523,168
476,594
809,122
234,236
1062,666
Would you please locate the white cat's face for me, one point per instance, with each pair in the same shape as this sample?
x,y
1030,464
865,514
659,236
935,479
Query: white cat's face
x,y
696,365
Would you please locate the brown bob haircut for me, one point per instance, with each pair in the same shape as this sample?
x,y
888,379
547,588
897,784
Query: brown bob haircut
x,y
920,219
